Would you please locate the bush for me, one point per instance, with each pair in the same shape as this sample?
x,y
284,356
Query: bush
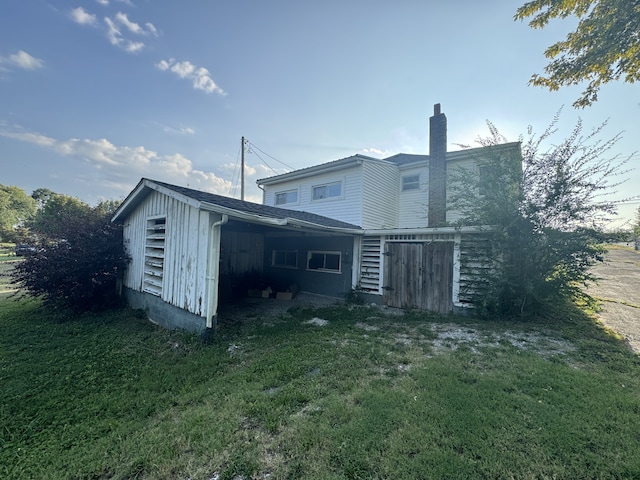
x,y
544,213
78,260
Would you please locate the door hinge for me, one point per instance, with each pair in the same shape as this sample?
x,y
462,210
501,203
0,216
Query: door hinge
x,y
388,288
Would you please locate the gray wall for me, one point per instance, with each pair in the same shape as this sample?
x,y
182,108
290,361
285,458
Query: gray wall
x,y
163,313
313,281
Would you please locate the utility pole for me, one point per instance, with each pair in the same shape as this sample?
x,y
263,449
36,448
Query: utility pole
x,y
242,172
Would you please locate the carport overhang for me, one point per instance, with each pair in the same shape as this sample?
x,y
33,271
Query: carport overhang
x,y
222,216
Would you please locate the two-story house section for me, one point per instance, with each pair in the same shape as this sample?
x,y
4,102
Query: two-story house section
x,y
359,190
409,255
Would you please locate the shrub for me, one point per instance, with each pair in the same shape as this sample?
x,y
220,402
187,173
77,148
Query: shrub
x,y
79,258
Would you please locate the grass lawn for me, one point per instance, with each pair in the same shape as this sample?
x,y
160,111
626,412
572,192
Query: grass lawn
x,y
363,396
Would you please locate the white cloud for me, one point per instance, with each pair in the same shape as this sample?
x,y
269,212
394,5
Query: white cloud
x,y
103,2
151,29
133,27
121,167
376,152
179,131
200,76
114,34
21,60
81,16
133,47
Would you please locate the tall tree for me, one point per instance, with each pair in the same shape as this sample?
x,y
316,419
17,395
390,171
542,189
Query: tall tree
x,y
604,47
16,208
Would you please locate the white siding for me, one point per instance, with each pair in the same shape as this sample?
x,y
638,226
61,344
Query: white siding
x,y
379,195
185,262
452,167
347,208
413,204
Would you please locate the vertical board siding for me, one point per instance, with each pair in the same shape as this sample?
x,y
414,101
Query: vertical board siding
x,y
419,275
187,233
380,186
241,252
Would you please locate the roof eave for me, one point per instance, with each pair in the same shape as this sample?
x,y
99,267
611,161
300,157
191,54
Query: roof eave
x,y
336,165
141,191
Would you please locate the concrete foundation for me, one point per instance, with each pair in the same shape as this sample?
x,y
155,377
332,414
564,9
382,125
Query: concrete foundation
x,y
164,314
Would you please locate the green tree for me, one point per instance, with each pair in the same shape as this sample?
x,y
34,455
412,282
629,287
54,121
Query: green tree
x,y
55,213
42,196
79,258
604,47
16,209
545,215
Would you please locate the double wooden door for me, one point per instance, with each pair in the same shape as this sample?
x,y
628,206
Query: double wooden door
x,y
419,275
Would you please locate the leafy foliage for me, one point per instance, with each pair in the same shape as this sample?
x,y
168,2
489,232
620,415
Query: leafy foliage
x,y
543,214
604,47
16,208
79,255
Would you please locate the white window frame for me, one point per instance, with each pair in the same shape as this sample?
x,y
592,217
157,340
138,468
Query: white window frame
x,y
407,185
286,253
287,193
311,253
327,185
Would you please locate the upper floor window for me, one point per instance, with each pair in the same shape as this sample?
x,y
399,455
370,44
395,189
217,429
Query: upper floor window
x,y
328,190
290,196
410,182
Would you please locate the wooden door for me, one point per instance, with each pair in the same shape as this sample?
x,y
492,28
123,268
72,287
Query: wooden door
x,y
419,275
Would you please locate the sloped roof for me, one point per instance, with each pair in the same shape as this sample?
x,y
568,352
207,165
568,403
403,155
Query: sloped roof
x,y
405,158
333,165
228,205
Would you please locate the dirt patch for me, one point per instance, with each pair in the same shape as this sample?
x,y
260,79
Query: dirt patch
x,y
618,292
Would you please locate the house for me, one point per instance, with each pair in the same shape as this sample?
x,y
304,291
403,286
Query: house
x,y
380,226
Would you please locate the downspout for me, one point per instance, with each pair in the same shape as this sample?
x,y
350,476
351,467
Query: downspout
x,y
213,270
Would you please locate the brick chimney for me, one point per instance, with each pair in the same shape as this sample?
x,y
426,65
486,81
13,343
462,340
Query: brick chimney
x,y
437,168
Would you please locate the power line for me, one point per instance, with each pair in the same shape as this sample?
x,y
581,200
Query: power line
x,y
251,145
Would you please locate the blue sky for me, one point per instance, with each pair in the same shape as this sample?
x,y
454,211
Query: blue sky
x,y
95,94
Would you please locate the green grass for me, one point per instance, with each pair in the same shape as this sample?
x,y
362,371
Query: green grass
x,y
366,396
